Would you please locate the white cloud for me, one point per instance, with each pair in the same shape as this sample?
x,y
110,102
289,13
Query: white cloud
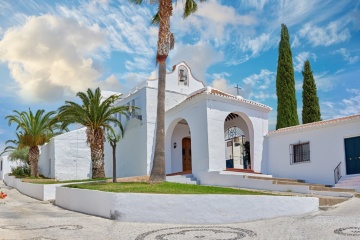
x,y
49,57
220,82
296,42
212,22
344,107
346,55
224,85
301,58
205,57
256,4
333,33
257,85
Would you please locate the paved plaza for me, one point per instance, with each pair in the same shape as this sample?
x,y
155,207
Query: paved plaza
x,y
22,217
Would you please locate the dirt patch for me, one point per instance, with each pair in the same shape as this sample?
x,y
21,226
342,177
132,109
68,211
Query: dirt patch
x,y
131,179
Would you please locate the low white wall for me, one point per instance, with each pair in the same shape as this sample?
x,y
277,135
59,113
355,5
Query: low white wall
x,y
42,192
182,209
227,179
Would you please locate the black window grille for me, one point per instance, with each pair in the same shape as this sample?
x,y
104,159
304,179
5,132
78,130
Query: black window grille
x,y
300,153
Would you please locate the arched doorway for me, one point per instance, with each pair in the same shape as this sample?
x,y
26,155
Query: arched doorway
x,y
237,142
179,147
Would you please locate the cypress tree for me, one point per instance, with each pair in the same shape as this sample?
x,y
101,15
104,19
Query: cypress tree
x,y
285,84
311,108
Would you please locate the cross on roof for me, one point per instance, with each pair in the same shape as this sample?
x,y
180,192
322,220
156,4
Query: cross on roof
x,y
237,89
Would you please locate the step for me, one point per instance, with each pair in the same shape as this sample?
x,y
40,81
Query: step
x,y
275,179
331,189
181,181
298,183
326,201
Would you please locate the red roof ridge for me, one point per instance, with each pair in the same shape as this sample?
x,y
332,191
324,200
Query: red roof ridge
x,y
314,124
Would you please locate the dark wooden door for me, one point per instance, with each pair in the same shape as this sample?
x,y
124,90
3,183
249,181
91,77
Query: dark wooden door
x,y
352,154
186,154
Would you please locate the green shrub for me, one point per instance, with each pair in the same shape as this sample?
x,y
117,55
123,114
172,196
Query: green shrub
x,y
20,171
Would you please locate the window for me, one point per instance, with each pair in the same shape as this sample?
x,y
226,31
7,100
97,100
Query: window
x,y
1,165
300,152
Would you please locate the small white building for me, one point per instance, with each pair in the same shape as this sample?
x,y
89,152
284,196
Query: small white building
x,y
318,152
206,131
6,165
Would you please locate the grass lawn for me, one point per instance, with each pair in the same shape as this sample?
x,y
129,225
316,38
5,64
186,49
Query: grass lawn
x,y
162,188
53,181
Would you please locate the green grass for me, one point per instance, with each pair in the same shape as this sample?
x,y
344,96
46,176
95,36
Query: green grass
x,y
52,181
162,188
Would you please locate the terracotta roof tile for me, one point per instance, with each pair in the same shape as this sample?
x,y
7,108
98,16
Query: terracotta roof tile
x,y
216,92
315,124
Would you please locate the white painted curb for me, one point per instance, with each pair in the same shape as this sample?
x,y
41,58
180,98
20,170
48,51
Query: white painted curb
x,y
182,208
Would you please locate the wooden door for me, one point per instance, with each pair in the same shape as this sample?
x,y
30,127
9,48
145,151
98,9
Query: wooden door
x,y
186,154
352,154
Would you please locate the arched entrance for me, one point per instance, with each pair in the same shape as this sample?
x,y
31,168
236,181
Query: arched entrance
x,y
237,142
179,147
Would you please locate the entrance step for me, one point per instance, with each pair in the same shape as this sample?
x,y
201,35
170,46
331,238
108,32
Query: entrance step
x,y
186,178
276,179
351,181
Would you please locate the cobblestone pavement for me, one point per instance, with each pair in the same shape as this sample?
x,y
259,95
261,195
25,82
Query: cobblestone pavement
x,y
22,217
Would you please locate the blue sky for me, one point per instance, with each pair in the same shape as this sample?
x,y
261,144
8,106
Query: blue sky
x,y
49,50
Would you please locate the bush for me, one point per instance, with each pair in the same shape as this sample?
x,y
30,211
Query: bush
x,y
20,171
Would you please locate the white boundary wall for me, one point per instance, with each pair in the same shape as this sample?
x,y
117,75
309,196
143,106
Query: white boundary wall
x,y
41,192
230,179
182,209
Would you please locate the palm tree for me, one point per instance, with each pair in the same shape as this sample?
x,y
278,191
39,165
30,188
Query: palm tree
x,y
36,129
164,45
96,114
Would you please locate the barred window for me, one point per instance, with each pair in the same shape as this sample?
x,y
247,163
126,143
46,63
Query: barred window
x,y
300,152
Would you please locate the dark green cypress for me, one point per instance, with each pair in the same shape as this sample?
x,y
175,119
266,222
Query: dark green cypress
x,y
285,84
311,107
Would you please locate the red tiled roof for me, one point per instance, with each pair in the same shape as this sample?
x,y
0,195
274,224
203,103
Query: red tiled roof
x,y
315,124
216,92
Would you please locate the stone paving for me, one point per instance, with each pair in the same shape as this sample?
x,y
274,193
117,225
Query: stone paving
x,y
23,218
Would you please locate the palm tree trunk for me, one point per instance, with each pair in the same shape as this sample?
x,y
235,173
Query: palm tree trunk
x,y
97,154
158,168
33,160
113,145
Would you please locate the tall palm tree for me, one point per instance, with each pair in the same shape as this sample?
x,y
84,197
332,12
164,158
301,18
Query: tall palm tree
x,y
96,114
36,129
164,45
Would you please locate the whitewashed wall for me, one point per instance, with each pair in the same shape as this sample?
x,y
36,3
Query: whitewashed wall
x,y
66,157
256,127
195,115
206,116
7,165
72,156
47,159
173,84
326,152
188,208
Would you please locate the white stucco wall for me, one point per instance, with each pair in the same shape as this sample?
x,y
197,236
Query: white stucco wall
x,y
326,152
131,150
206,116
72,156
173,84
47,159
195,115
7,165
161,208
